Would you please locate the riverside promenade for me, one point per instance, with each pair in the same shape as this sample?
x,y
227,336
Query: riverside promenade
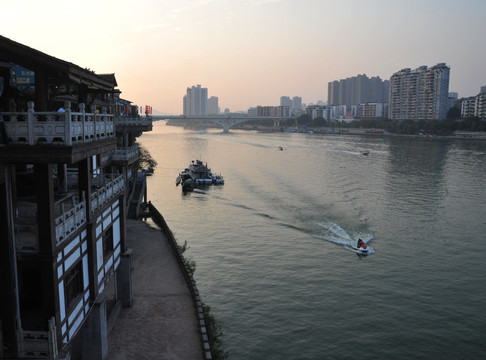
x,y
162,323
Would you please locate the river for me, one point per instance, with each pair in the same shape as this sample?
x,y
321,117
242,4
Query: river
x,y
271,245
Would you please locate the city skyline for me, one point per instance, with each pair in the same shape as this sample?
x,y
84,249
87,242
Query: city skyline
x,y
252,52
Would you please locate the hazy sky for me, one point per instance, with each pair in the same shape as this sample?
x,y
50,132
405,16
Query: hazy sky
x,y
251,52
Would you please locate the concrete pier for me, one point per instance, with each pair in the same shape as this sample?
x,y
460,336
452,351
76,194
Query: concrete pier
x,y
162,323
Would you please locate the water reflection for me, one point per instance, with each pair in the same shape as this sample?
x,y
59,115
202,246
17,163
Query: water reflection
x,y
415,173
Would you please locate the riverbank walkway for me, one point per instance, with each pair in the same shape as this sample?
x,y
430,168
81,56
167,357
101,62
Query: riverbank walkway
x,y
162,323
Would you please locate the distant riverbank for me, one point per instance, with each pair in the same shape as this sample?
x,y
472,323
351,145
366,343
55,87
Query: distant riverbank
x,y
467,135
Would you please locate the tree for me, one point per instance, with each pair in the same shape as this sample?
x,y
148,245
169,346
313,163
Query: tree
x,y
304,120
145,160
454,113
319,122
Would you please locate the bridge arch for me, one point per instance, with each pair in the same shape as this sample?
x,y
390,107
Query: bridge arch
x,y
225,121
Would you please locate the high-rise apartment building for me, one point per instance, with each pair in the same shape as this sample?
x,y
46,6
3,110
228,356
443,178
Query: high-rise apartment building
x,y
285,101
420,94
213,108
296,103
357,90
475,106
195,102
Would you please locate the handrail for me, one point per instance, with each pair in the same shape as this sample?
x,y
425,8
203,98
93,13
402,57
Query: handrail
x,y
129,121
125,153
70,220
107,192
57,128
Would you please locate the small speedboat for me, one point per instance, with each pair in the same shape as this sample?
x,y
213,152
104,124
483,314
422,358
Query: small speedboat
x,y
365,152
361,250
217,179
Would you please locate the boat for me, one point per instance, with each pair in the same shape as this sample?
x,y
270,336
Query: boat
x,y
217,179
300,130
198,174
365,152
358,250
361,250
187,181
280,148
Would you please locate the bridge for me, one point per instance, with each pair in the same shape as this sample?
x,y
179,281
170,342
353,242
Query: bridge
x,y
225,121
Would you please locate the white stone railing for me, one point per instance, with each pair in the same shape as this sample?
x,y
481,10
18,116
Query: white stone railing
x,y
129,121
38,344
71,219
58,128
112,188
125,154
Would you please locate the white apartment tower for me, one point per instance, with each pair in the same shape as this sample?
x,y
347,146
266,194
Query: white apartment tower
x,y
296,103
196,101
285,101
420,94
213,108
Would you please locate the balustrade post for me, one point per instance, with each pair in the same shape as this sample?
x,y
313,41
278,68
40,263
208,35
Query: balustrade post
x,y
67,123
105,120
95,130
82,111
30,122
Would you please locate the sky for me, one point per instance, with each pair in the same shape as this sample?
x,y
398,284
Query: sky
x,y
252,52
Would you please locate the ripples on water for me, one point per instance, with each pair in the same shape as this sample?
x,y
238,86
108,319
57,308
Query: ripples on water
x,y
270,245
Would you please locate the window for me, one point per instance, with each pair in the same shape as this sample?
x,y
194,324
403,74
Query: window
x,y
74,285
108,242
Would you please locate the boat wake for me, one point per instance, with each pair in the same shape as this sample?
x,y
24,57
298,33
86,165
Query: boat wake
x,y
332,232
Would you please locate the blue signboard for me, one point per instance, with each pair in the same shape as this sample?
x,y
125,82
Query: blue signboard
x,y
21,78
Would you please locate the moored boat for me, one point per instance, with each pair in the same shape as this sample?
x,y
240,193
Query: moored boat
x,y
218,179
198,174
186,180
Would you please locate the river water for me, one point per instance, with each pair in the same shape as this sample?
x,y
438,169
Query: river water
x,y
271,245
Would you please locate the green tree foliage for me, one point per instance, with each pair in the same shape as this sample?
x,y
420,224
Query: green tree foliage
x,y
215,334
454,113
412,127
304,120
320,122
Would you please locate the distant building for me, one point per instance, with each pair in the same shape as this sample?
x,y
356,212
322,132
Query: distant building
x,y
213,108
480,109
317,111
277,111
420,94
343,112
468,107
195,102
356,90
371,111
253,111
474,106
285,101
296,104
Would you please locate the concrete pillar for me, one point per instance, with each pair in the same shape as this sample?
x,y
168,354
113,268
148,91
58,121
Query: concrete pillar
x,y
95,333
124,279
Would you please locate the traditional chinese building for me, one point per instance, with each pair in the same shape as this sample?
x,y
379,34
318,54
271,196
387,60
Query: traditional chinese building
x,y
65,184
